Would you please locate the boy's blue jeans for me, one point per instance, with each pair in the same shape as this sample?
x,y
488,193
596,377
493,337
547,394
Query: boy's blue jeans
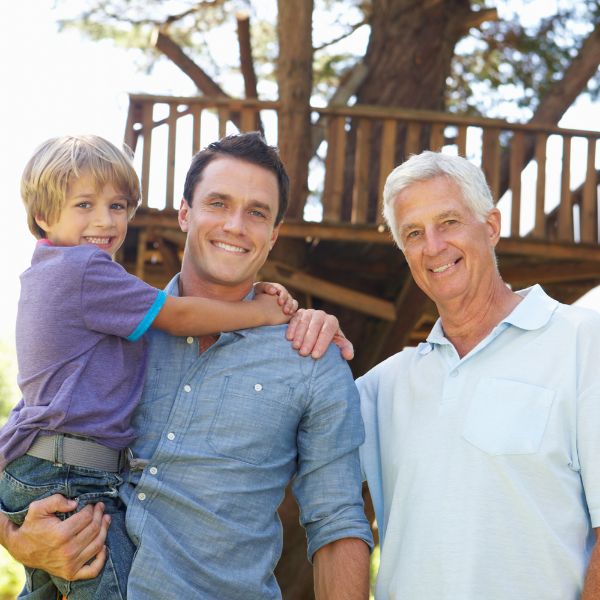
x,y
27,479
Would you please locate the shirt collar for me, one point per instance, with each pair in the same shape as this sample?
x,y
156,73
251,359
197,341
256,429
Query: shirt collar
x,y
533,312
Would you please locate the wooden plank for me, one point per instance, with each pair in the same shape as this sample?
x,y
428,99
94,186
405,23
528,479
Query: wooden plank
x,y
362,159
130,137
436,137
196,129
334,169
413,139
172,140
303,282
223,118
589,207
461,140
539,229
550,272
516,162
490,160
141,253
147,126
565,208
387,161
249,119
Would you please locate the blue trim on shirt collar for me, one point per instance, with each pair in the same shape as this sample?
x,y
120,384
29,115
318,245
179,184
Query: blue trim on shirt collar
x,y
149,317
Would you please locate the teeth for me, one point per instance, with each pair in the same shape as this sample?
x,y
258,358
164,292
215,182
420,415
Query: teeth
x,y
229,247
442,268
98,240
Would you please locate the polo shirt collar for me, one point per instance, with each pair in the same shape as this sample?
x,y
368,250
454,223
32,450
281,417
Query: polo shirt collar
x,y
533,312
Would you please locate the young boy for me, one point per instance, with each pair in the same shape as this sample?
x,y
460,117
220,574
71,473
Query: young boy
x,y
81,366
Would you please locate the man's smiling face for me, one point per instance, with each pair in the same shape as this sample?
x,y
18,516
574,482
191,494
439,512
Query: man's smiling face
x,y
449,250
230,225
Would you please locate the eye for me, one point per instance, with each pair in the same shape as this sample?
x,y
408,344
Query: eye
x,y
255,212
118,206
217,203
83,204
413,234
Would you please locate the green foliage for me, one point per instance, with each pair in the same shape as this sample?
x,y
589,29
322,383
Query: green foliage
x,y
12,576
498,65
9,393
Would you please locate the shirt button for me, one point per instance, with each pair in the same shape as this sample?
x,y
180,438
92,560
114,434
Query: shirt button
x,y
187,388
258,387
189,340
170,436
153,470
141,496
454,373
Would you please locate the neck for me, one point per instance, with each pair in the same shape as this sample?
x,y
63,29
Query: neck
x,y
468,321
191,285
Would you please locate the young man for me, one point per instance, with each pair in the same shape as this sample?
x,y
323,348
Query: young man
x,y
224,425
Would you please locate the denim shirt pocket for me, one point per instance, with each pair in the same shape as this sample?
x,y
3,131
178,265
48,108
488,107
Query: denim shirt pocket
x,y
249,417
507,417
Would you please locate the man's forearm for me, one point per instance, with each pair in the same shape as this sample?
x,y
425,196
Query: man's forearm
x,y
591,587
341,570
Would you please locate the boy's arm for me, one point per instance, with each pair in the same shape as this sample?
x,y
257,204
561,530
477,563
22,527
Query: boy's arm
x,y
190,315
61,548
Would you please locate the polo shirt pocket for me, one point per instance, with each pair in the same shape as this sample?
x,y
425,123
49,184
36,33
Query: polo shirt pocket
x,y
507,417
250,418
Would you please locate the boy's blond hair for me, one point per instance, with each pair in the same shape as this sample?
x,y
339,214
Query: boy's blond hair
x,y
54,165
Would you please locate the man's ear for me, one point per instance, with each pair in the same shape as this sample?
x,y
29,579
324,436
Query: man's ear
x,y
183,216
274,236
493,222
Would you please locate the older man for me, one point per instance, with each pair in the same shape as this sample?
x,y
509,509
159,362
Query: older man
x,y
225,424
483,443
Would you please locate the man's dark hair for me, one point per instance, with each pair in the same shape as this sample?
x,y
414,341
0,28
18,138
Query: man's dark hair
x,y
250,147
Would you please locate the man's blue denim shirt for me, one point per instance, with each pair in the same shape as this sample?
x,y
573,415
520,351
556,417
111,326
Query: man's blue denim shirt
x,y
224,432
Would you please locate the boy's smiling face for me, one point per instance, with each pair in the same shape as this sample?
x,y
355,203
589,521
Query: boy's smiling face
x,y
90,216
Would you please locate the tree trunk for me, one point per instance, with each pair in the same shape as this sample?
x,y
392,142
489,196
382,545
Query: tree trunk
x,y
294,76
408,59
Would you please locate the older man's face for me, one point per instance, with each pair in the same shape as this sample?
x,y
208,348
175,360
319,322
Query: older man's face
x,y
449,251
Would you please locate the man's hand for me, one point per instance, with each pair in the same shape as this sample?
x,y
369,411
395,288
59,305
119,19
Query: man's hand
x,y
61,548
311,331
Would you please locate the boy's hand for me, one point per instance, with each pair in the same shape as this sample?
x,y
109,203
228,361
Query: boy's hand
x,y
284,298
61,548
271,310
312,331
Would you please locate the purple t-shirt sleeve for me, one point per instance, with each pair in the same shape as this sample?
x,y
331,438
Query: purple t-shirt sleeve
x,y
115,302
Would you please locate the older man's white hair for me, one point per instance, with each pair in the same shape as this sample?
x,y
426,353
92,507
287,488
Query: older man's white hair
x,y
429,165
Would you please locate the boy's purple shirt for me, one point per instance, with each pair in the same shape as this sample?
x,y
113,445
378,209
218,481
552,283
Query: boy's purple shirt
x,y
78,372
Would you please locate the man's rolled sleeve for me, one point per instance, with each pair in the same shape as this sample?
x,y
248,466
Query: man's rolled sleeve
x,y
328,485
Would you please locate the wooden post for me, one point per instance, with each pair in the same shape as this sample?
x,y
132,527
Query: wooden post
x,y
362,156
387,161
516,162
334,170
565,210
172,139
589,208
539,229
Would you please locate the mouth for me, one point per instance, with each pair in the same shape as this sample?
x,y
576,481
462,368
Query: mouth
x,y
443,268
98,241
230,247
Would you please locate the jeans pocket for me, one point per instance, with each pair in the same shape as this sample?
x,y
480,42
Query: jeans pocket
x,y
507,417
17,491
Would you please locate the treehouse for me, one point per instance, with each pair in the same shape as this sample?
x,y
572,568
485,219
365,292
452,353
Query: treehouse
x,y
334,251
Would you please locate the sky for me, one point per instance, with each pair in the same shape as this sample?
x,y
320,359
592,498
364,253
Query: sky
x,y
61,83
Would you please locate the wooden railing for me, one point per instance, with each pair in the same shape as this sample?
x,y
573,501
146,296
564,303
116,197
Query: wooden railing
x,y
544,178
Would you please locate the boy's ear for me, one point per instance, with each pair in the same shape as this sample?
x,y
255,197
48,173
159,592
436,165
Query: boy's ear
x,y
42,224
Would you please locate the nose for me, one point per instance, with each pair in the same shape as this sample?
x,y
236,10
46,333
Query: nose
x,y
434,242
234,221
103,217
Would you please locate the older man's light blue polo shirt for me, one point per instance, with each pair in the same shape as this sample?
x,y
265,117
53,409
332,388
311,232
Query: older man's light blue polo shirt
x,y
223,433
485,470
